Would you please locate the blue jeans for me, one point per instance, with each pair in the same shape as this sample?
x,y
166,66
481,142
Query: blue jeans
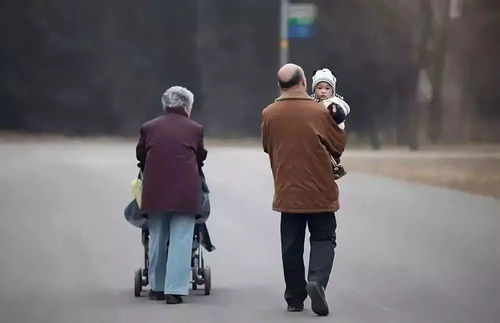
x,y
170,247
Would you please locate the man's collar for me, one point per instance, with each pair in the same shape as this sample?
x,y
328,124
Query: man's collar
x,y
294,95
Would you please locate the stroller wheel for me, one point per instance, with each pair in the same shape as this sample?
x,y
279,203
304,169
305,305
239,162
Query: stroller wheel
x,y
208,280
137,282
194,284
145,279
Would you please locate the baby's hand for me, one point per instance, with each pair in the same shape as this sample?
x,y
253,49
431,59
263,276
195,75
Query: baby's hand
x,y
332,108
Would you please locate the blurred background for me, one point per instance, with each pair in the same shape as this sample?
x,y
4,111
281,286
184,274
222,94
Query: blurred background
x,y
414,72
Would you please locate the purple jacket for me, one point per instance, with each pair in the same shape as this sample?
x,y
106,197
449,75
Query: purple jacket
x,y
171,153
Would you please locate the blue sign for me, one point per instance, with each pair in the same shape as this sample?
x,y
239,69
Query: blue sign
x,y
300,31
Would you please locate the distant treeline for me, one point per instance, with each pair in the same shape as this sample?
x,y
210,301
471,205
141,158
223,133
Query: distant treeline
x,y
412,71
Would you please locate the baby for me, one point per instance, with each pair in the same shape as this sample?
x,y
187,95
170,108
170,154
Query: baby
x,y
323,86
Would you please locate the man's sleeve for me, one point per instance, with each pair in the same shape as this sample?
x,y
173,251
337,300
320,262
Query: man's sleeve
x,y
140,150
331,136
201,152
264,133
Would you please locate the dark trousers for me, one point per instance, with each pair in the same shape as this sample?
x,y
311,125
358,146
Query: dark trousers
x,y
323,241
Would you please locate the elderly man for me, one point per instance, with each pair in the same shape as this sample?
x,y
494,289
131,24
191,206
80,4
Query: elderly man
x,y
300,138
170,153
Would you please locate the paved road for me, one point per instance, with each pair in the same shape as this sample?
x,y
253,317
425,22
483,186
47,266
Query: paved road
x,y
407,253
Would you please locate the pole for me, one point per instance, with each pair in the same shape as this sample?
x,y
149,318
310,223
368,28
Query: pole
x,y
284,33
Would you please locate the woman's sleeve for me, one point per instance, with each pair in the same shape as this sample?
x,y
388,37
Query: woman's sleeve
x,y
201,152
140,150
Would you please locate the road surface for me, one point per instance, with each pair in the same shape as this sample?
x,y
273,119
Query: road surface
x,y
406,252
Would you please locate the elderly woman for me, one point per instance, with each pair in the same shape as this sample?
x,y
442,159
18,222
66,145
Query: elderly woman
x,y
170,153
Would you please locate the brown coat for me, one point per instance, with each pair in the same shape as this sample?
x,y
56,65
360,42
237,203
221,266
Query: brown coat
x,y
171,152
300,136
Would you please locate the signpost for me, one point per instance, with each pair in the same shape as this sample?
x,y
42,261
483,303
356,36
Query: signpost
x,y
297,21
284,33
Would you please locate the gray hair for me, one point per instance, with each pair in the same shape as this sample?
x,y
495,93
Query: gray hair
x,y
177,97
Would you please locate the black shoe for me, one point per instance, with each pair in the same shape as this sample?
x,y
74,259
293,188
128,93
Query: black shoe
x,y
318,301
156,296
173,299
295,307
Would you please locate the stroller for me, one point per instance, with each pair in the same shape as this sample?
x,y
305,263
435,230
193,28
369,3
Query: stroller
x,y
200,272
201,240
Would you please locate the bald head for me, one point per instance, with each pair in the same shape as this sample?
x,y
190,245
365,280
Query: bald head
x,y
291,76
